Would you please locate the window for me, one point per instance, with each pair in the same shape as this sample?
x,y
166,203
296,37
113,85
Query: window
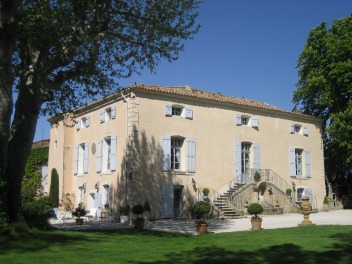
x,y
245,120
298,129
106,154
299,194
247,160
176,156
106,194
300,163
107,114
178,110
85,121
80,165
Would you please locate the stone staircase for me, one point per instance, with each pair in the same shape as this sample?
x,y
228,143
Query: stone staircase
x,y
227,211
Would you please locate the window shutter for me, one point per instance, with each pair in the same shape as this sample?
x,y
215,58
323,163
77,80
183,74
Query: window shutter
x,y
87,121
191,155
113,153
292,162
256,151
168,110
309,193
305,131
102,116
238,161
113,112
238,120
255,121
189,112
85,160
99,154
78,124
166,155
292,131
75,160
308,175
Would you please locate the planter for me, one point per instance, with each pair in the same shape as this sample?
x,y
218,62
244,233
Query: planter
x,y
139,223
202,229
146,216
79,221
326,207
256,223
124,219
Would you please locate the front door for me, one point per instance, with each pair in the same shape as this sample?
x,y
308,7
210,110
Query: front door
x,y
167,201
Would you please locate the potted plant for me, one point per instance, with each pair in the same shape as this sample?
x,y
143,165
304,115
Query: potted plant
x,y
146,212
288,192
205,194
78,213
200,209
326,203
255,209
257,176
124,211
106,205
138,209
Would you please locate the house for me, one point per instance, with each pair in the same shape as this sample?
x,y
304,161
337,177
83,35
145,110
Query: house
x,y
165,144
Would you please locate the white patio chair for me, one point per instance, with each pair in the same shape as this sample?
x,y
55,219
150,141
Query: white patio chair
x,y
58,215
92,214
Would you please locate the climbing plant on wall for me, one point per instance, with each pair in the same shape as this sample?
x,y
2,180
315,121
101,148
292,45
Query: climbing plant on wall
x,y
33,172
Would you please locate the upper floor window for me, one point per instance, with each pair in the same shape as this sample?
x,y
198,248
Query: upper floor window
x,y
81,152
245,120
298,129
107,114
106,154
178,110
176,144
300,163
82,123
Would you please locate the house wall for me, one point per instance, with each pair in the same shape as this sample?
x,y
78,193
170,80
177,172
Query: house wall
x,y
141,123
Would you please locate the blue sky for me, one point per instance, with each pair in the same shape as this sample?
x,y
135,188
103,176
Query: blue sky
x,y
245,48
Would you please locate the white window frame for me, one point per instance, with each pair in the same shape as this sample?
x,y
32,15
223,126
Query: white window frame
x,y
81,152
85,122
299,162
175,110
106,154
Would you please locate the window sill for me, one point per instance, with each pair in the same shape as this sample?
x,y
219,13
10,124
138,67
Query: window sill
x,y
106,172
301,177
80,174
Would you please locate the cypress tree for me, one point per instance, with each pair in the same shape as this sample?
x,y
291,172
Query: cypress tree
x,y
54,188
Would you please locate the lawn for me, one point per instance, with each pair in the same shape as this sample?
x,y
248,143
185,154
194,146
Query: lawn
x,y
314,244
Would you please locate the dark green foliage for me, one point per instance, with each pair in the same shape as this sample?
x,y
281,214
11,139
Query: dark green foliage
x,y
257,176
36,213
201,208
138,209
124,209
326,200
54,188
146,206
33,172
255,209
205,191
79,211
288,191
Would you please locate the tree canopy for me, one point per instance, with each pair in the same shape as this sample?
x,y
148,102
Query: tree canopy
x,y
60,54
324,90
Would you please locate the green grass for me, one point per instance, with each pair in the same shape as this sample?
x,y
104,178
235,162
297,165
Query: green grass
x,y
314,244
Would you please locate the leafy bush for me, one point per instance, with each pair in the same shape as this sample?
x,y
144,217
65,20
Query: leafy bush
x,y
255,209
36,213
205,190
146,206
257,176
54,188
79,211
138,209
201,208
288,191
124,209
326,200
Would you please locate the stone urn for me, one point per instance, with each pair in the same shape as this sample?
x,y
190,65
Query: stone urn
x,y
306,209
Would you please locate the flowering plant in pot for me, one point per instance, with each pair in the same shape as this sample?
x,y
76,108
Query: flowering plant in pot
x,y
255,209
200,209
138,209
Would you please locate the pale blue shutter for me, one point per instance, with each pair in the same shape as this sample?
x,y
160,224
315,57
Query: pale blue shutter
x,y
75,160
87,121
85,160
113,153
113,112
305,131
168,110
189,112
191,155
292,162
308,175
256,152
238,162
102,116
99,155
78,124
309,193
238,120
255,121
166,155
292,130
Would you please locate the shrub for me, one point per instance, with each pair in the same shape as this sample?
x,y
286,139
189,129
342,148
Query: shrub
x,y
205,190
124,209
288,191
257,176
326,200
255,209
36,213
201,208
54,188
79,211
146,206
138,209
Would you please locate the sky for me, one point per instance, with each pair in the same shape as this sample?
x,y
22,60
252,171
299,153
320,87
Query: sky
x,y
245,48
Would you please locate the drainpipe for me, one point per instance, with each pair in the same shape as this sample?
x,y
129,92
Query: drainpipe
x,y
125,165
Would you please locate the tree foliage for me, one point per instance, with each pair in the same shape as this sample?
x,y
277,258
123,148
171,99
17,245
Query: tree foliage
x,y
54,188
324,90
64,53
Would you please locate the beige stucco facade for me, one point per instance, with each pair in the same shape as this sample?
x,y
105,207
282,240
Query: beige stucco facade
x,y
171,142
